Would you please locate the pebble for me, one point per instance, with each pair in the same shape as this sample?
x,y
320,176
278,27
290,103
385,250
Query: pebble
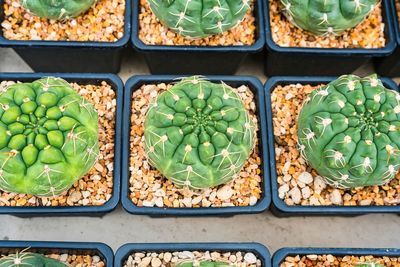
x,y
305,177
225,192
63,257
312,257
75,196
250,258
253,200
306,192
295,195
330,258
167,257
365,202
282,190
336,197
319,184
155,262
145,262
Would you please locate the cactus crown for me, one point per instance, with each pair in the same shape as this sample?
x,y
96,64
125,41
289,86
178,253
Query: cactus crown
x,y
322,17
57,9
191,263
349,132
28,259
198,133
199,18
370,264
48,137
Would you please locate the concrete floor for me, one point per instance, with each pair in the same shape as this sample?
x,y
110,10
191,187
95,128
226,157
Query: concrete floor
x,y
119,227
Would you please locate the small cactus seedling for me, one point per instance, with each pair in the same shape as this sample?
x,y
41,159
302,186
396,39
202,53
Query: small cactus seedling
x,y
204,263
349,132
322,17
48,137
198,133
57,9
199,18
370,264
27,259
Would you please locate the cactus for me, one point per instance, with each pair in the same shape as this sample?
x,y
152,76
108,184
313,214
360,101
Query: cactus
x,y
198,134
199,18
48,137
349,132
322,17
190,263
370,264
27,259
57,9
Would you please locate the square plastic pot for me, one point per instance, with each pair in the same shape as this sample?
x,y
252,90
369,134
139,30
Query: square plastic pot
x,y
280,255
111,204
322,61
390,65
83,248
183,59
279,207
126,250
255,86
71,56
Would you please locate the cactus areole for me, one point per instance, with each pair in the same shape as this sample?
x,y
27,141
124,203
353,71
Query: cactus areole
x,y
27,259
322,17
57,9
198,134
48,137
349,132
204,263
199,18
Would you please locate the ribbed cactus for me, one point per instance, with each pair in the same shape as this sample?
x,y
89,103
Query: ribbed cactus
x,y
198,134
323,17
57,9
191,263
48,137
349,132
27,259
370,264
199,18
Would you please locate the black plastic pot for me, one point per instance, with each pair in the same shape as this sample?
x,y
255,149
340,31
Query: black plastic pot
x,y
279,207
255,85
112,203
280,255
181,59
81,248
390,65
259,250
322,61
71,56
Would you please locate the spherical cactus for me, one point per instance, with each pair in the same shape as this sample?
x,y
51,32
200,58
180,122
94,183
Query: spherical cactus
x,y
370,264
199,18
198,134
27,259
191,263
323,17
349,132
57,9
48,137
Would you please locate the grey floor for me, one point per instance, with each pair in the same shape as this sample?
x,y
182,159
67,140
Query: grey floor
x,y
119,227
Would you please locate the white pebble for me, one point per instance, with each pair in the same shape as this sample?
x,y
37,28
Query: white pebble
x,y
336,197
167,257
319,184
295,195
305,177
306,192
63,257
159,202
155,262
225,192
147,203
283,189
145,262
250,258
253,200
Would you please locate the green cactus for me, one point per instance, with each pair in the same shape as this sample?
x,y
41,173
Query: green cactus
x,y
199,18
57,9
48,137
191,263
322,17
349,132
370,264
27,259
198,134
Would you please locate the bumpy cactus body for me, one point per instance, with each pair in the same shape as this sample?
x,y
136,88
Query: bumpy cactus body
x,y
57,9
349,132
199,18
323,17
27,259
48,137
198,134
203,264
370,264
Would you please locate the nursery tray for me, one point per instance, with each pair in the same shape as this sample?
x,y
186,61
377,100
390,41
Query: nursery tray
x,y
280,255
111,204
390,65
71,56
82,248
323,61
255,86
188,59
125,251
279,207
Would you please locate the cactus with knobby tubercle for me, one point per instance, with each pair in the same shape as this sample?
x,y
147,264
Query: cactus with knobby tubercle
x,y
349,132
370,264
198,134
28,259
204,263
322,17
200,18
48,137
57,9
